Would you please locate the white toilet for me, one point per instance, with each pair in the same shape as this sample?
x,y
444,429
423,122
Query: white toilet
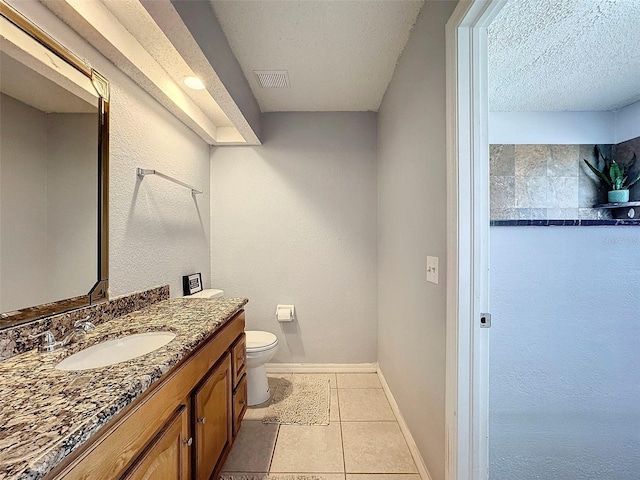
x,y
261,347
207,293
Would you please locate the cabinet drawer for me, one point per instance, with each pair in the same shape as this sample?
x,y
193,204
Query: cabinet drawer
x,y
239,404
239,358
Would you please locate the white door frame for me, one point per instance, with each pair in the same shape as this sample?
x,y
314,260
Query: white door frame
x,y
467,240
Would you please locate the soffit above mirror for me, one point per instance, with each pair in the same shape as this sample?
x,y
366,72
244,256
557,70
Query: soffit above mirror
x,y
158,59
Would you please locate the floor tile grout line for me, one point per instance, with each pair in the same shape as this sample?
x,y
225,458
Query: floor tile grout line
x,y
273,452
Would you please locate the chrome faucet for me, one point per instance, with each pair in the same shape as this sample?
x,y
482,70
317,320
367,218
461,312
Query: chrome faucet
x,y
49,343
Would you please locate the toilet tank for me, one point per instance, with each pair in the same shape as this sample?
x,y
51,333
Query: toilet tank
x,y
207,293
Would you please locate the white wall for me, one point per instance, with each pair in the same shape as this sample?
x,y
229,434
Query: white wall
x,y
565,353
294,222
552,127
565,127
627,123
412,225
157,231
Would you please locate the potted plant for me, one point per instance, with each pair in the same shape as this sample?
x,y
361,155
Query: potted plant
x,y
615,176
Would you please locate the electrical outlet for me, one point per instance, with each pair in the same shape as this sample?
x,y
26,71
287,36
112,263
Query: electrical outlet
x,y
432,270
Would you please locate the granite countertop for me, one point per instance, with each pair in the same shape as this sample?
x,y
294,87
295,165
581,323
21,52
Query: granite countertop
x,y
46,413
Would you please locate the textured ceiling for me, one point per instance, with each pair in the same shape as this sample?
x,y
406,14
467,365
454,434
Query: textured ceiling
x,y
564,55
340,55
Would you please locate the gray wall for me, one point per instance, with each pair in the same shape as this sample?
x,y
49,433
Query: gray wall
x,y
48,232
565,353
412,225
23,193
72,203
294,222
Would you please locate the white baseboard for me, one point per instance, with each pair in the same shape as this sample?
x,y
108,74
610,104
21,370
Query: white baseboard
x,y
413,448
322,367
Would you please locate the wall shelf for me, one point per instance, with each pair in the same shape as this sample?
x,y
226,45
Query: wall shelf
x,y
626,210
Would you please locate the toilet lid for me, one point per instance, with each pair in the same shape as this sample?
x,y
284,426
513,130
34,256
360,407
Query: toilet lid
x,y
257,340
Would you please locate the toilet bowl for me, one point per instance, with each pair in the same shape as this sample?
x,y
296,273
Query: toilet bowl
x,y
261,347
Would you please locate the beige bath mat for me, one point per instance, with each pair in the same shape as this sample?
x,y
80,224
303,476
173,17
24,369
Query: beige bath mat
x,y
300,400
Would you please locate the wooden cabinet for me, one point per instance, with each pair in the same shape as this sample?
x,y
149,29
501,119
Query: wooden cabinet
x,y
213,414
150,438
167,457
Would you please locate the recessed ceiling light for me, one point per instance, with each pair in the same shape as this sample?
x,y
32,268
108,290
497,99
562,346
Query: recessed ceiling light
x,y
194,83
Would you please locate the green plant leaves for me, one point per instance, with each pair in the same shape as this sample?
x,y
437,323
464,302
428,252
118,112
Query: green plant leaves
x,y
599,174
614,174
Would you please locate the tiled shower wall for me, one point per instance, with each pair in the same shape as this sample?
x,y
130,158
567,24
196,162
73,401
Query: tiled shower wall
x,y
545,182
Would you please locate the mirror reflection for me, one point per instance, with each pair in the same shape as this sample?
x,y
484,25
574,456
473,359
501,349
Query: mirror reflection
x,y
49,172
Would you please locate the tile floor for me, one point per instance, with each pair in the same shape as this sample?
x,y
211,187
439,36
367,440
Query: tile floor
x,y
362,441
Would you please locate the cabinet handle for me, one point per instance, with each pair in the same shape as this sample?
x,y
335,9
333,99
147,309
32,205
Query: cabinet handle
x,y
201,420
241,358
242,402
188,442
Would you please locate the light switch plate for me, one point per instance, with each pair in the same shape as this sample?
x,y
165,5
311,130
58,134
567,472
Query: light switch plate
x,y
432,270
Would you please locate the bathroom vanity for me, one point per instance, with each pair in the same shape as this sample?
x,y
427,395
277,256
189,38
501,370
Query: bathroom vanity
x,y
172,413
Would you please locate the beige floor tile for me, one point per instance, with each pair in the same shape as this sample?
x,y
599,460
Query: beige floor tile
x,y
252,450
257,412
334,409
375,447
383,476
280,476
322,376
308,449
289,475
364,404
358,380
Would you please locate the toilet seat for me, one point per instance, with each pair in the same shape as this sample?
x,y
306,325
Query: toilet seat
x,y
260,341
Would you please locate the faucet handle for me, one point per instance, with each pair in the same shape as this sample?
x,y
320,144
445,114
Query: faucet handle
x,y
85,325
48,341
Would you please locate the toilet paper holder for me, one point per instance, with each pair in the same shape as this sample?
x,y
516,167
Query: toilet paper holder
x,y
285,313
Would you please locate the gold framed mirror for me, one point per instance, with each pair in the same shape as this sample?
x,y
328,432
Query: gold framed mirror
x,y
54,175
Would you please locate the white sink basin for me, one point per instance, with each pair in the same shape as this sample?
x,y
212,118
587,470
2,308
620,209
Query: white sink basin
x,y
116,351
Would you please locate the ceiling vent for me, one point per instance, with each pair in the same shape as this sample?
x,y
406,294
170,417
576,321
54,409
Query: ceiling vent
x,y
273,78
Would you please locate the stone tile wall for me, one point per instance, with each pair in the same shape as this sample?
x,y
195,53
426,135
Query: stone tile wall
x,y
545,182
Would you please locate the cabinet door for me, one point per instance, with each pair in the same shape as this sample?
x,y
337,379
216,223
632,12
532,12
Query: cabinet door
x,y
167,456
213,419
